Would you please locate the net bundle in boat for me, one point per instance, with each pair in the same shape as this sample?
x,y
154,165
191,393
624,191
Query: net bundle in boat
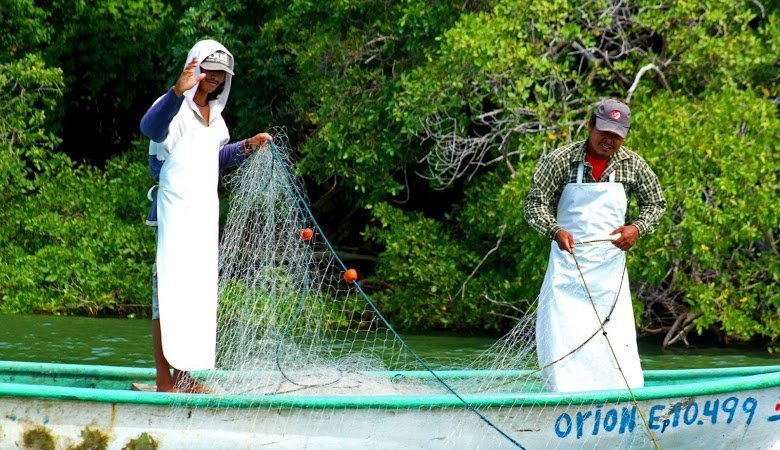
x,y
292,327
289,318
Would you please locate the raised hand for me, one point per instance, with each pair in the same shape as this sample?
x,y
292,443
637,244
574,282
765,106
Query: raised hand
x,y
187,80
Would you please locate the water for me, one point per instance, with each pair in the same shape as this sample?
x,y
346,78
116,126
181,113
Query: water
x,y
128,342
76,340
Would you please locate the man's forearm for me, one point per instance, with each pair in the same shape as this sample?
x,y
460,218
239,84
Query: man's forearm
x,y
155,122
649,216
540,219
231,155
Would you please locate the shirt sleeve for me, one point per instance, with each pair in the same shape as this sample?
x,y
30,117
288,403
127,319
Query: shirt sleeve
x,y
157,119
650,200
540,203
155,166
231,155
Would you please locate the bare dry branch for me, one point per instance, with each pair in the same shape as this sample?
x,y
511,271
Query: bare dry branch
x,y
464,145
329,191
679,331
638,77
456,155
408,191
372,49
462,289
504,304
761,7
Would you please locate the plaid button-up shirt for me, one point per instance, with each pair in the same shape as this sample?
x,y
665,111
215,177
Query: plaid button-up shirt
x,y
559,168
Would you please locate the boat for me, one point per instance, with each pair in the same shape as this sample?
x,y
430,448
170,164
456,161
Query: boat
x,y
66,406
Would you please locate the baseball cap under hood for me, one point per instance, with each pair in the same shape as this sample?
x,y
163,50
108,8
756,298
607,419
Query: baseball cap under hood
x,y
202,50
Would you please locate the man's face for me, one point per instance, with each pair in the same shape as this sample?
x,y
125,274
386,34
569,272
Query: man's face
x,y
603,144
213,79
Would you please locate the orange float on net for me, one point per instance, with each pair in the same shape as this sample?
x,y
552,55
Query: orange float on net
x,y
306,234
350,276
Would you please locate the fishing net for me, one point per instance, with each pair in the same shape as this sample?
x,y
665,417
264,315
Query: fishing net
x,y
291,319
294,324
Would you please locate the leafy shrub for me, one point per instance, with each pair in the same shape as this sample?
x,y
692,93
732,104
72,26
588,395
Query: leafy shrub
x,y
716,248
76,243
423,266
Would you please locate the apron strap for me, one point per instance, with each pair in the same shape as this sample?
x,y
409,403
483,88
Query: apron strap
x,y
150,192
612,176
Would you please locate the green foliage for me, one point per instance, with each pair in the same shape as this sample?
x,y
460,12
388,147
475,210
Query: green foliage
x,y
717,245
72,239
105,47
425,267
109,53
348,57
493,211
717,44
76,243
368,90
28,91
477,269
23,28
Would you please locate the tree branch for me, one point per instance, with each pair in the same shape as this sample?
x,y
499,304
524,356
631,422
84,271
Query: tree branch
x,y
462,289
639,77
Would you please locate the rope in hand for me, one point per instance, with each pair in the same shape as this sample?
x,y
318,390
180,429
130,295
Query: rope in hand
x,y
604,333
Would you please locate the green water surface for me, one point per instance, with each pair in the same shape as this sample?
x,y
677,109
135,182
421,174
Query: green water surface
x,y
127,342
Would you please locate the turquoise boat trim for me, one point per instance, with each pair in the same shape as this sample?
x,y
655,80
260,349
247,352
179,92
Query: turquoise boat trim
x,y
681,383
116,372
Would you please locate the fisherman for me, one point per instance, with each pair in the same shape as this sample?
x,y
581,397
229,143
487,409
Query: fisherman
x,y
189,147
585,330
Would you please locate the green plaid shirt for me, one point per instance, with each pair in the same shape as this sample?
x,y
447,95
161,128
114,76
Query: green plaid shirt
x,y
559,168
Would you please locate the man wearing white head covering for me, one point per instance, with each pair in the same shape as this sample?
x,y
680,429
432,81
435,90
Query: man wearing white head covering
x,y
189,145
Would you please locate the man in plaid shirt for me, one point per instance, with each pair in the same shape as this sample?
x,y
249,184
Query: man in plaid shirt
x,y
585,331
601,154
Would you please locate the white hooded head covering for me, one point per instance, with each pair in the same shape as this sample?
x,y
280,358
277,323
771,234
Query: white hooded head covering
x,y
201,50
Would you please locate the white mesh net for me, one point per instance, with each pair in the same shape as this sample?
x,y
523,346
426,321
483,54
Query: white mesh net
x,y
290,324
290,319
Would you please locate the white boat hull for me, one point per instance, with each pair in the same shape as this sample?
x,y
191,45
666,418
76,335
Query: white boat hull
x,y
744,419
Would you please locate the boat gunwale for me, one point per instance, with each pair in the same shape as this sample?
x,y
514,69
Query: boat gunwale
x,y
712,382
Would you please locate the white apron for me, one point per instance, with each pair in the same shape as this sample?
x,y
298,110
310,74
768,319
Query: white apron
x,y
188,226
571,359
187,251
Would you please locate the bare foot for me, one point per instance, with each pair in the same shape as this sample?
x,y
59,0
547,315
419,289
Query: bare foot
x,y
193,387
171,388
189,385
196,388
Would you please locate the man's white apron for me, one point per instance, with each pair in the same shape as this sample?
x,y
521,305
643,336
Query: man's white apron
x,y
573,351
187,250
